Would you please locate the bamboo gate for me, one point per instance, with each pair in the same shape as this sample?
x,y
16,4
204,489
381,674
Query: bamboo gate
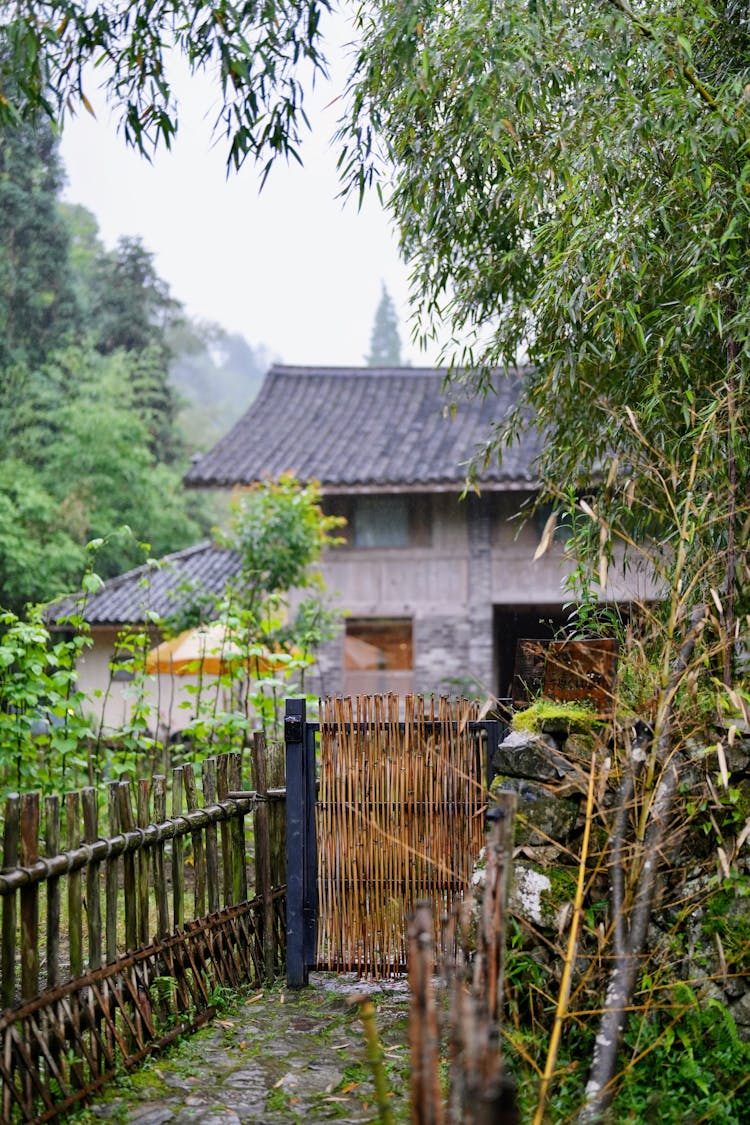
x,y
395,817
88,993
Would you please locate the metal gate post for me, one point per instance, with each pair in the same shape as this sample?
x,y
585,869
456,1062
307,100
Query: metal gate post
x,y
294,738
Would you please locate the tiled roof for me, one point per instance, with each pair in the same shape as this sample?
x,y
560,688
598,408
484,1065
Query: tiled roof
x,y
366,429
161,590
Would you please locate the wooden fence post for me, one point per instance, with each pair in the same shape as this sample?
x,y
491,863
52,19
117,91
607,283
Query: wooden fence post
x,y
111,874
296,800
142,806
93,904
160,879
11,839
227,866
127,824
212,851
178,854
29,898
75,913
424,1039
51,848
199,851
237,832
263,852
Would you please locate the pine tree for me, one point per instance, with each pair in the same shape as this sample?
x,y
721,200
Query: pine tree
x,y
385,342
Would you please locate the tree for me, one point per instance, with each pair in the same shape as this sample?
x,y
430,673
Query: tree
x,y
38,307
571,183
385,342
256,50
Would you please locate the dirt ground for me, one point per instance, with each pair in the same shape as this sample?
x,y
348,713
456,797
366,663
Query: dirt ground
x,y
270,1057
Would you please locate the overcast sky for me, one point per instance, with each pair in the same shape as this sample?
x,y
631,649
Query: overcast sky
x,y
293,267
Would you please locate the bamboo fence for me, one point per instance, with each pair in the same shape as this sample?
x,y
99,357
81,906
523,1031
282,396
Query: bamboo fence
x,y
116,934
399,820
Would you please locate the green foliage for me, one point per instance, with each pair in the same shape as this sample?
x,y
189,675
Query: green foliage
x,y
570,183
385,342
38,307
38,555
88,435
43,730
256,52
280,531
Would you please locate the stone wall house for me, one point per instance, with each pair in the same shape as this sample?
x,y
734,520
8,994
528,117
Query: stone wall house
x,y
435,588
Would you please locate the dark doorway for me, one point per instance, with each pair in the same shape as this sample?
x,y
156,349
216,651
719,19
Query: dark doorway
x,y
513,623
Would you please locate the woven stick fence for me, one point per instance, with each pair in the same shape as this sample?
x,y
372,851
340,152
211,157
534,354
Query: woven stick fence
x,y
117,970
399,820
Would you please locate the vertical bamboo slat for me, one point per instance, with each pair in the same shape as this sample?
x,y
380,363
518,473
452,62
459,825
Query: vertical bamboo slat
x,y
199,851
178,853
11,841
403,801
111,874
212,857
93,902
127,824
160,879
51,848
75,913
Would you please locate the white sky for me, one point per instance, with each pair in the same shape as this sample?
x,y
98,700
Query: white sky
x,y
293,267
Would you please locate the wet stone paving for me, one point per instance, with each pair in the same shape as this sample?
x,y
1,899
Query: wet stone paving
x,y
270,1057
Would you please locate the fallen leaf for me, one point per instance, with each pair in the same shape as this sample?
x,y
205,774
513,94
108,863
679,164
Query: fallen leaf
x,y
225,1023
348,1089
254,999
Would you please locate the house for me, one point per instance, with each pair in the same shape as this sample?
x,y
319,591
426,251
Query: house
x,y
436,588
176,588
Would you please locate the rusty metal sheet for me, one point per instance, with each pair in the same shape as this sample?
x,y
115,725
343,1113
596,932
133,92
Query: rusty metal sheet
x,y
567,671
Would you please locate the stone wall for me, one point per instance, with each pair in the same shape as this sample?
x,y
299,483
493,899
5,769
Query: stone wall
x,y
695,901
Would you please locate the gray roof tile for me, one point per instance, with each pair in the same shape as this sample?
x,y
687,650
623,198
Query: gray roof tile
x,y
366,429
128,597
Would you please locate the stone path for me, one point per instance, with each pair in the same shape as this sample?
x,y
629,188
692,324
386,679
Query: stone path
x,y
272,1057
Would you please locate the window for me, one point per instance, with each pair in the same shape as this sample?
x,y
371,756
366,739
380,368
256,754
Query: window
x,y
378,655
381,521
378,643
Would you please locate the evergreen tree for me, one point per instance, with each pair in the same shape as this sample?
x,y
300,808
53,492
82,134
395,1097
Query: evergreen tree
x,y
131,309
38,306
385,342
